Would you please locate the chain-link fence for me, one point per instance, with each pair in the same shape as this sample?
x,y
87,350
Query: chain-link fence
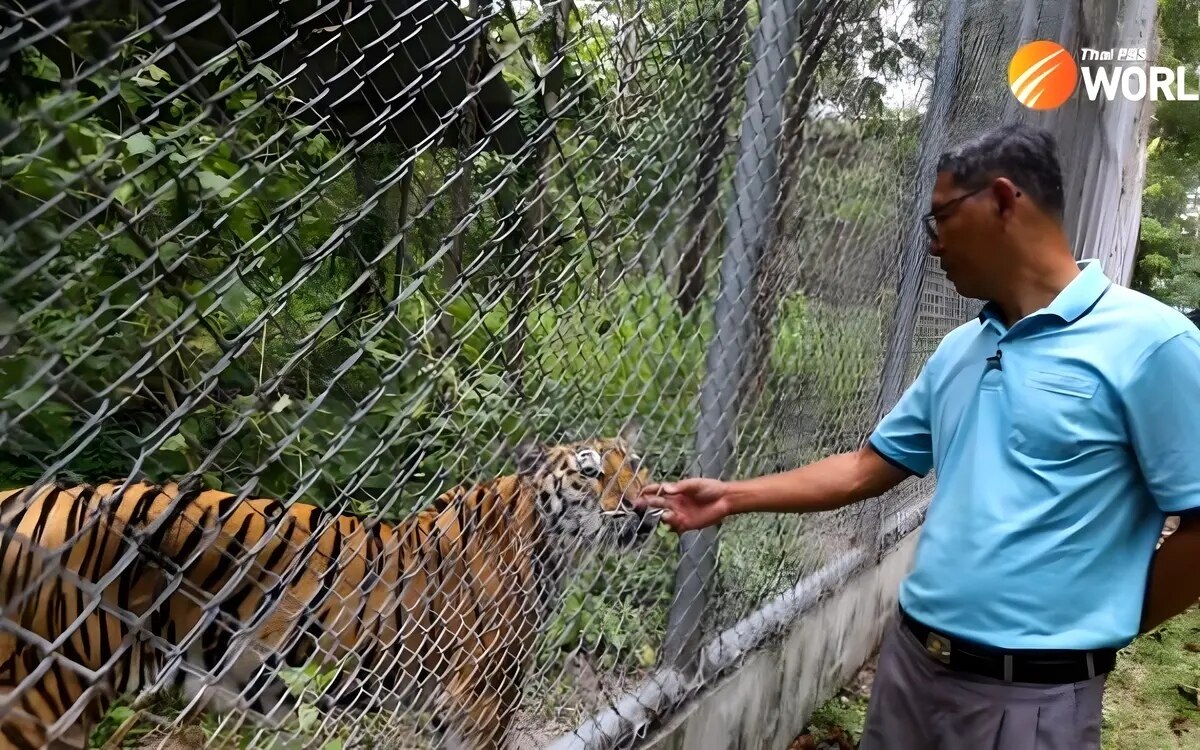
x,y
286,274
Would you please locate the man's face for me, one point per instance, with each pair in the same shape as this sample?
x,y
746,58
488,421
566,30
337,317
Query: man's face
x,y
968,240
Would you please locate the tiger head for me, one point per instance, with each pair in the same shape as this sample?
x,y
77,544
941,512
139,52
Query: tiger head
x,y
586,489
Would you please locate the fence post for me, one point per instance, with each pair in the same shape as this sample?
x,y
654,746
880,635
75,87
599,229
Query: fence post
x,y
913,251
747,230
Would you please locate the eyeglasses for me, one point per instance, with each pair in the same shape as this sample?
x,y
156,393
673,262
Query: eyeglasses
x,y
930,219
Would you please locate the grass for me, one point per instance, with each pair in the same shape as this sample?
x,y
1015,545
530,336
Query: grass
x,y
1149,704
845,712
1144,708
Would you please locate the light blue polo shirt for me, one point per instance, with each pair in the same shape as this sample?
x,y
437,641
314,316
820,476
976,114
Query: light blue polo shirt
x,y
1055,469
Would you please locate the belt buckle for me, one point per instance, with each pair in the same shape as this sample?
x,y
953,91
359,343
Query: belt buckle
x,y
938,647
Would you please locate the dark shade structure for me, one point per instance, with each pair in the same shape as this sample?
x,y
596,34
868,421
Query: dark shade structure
x,y
366,70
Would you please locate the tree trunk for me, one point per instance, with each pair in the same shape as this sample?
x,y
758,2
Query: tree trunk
x,y
360,244
627,69
701,225
525,289
460,194
401,261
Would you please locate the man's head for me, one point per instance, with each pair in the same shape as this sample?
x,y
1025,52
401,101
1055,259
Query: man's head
x,y
998,199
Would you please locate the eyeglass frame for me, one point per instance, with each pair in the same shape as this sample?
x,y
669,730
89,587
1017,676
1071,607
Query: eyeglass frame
x,y
930,219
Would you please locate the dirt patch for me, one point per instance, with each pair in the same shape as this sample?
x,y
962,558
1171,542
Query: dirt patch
x,y
838,724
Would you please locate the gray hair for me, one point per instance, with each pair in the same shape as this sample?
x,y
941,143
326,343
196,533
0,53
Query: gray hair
x,y
1025,154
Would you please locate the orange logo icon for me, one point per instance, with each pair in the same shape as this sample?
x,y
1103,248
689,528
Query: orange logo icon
x,y
1042,75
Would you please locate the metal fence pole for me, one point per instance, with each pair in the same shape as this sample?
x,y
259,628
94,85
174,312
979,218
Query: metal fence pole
x,y
755,190
913,253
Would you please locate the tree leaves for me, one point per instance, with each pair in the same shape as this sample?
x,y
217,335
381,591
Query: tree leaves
x,y
139,143
1169,241
36,65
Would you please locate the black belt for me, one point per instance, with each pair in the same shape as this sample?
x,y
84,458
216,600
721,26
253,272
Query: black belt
x,y
1044,667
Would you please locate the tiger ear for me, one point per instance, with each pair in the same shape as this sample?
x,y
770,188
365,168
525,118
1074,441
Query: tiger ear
x,y
631,433
528,457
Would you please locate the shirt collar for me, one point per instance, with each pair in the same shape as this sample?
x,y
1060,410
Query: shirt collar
x,y
1073,302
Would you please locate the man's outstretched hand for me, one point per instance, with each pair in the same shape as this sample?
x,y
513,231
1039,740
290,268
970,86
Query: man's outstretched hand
x,y
687,504
827,484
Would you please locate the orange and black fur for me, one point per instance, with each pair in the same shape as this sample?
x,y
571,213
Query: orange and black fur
x,y
122,587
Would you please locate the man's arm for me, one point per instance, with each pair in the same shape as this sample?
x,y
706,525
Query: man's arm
x,y
1174,584
824,485
1162,402
901,446
827,484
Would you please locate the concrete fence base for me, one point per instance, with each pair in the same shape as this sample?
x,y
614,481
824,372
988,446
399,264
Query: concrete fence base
x,y
768,700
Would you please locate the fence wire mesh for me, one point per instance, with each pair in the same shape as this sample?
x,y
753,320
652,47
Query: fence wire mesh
x,y
280,283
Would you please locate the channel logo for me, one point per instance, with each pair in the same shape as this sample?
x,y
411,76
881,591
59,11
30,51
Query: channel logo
x,y
1042,75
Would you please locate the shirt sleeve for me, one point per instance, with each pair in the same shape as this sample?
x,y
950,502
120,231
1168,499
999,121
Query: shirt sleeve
x,y
903,437
1162,407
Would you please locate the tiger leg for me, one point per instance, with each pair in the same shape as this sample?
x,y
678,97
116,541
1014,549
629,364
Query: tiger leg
x,y
53,711
485,697
21,733
480,722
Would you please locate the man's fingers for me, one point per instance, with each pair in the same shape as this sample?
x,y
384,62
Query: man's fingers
x,y
676,522
654,501
654,495
664,488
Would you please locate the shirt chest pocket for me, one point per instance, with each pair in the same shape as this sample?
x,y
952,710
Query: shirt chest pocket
x,y
1053,414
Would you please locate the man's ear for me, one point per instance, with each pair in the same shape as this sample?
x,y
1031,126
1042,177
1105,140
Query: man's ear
x,y
1006,194
528,457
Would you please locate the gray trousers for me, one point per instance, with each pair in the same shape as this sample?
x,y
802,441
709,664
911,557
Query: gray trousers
x,y
919,704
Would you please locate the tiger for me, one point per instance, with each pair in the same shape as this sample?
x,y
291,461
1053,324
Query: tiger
x,y
130,586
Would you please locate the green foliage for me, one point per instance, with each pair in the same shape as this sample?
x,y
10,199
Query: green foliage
x,y
834,351
628,352
889,54
155,220
112,721
1170,228
208,730
1184,287
843,716
1153,270
616,611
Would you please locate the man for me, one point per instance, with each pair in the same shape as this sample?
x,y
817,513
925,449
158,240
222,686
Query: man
x,y
1063,426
